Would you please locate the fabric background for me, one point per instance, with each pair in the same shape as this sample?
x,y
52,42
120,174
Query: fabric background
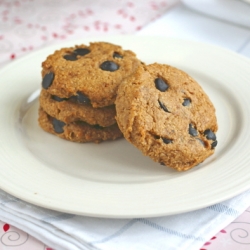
x,y
26,25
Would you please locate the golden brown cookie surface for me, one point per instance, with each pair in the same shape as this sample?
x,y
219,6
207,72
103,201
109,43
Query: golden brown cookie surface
x,y
77,131
69,111
91,73
167,115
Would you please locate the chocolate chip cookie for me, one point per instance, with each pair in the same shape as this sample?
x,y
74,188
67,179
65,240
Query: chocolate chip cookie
x,y
77,131
69,110
90,74
167,115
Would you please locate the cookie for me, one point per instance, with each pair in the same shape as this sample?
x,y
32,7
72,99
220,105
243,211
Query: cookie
x,y
167,115
90,74
68,110
77,131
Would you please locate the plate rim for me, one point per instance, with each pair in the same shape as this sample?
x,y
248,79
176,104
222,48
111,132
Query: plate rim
x,y
108,215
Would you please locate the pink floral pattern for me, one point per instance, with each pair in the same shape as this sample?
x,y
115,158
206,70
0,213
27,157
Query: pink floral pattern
x,y
26,25
235,236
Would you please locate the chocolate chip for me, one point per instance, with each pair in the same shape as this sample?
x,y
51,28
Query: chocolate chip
x,y
117,55
192,131
58,126
210,135
48,80
81,98
81,51
58,99
162,163
98,126
162,105
201,142
71,57
73,98
214,144
157,137
161,85
186,102
167,141
80,123
109,66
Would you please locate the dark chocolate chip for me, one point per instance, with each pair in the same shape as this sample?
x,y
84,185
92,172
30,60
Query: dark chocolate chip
x,y
157,137
210,135
117,55
58,99
58,126
109,66
98,126
81,51
48,80
73,98
162,105
214,144
71,57
167,141
201,142
162,163
81,98
161,85
192,131
81,123
186,102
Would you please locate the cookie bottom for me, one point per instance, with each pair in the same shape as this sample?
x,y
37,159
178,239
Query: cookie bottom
x,y
77,131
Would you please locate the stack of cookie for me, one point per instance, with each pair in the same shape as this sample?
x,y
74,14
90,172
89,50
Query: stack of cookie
x,y
79,89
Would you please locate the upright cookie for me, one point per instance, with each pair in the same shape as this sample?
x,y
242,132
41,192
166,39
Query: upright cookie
x,y
166,114
90,74
77,131
68,110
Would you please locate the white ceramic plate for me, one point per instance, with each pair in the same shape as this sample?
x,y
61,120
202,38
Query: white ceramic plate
x,y
113,179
